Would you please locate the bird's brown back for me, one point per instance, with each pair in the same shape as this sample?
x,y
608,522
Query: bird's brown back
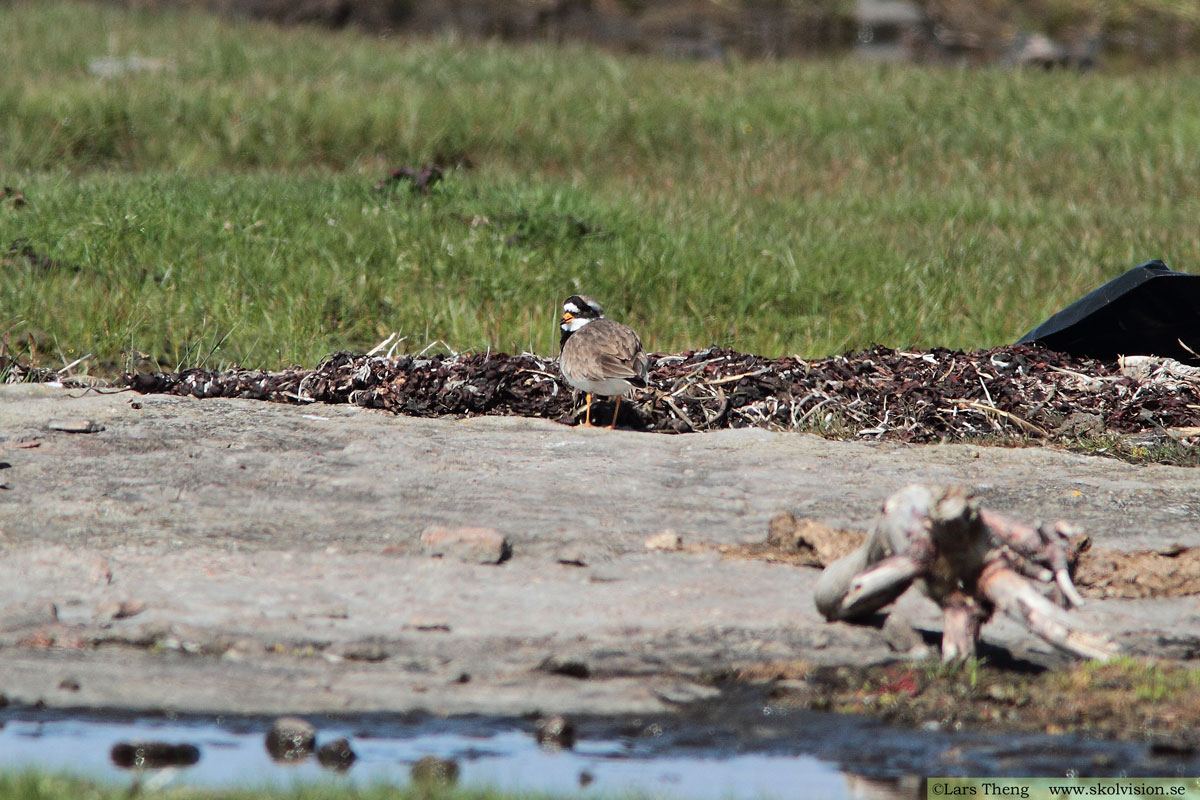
x,y
605,349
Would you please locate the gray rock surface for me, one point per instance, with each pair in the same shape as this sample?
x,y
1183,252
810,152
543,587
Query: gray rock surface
x,y
225,555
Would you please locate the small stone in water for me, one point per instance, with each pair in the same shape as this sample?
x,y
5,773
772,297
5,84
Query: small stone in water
x,y
154,755
291,739
336,755
556,733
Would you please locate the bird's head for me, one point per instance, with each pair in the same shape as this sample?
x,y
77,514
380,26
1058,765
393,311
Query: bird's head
x,y
578,310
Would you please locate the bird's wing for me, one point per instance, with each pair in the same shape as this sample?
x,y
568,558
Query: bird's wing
x,y
621,354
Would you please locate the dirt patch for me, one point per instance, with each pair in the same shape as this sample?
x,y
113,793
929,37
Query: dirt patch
x,y
1127,699
1172,571
1007,394
802,542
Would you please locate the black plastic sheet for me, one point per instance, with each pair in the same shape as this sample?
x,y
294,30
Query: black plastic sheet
x,y
1147,311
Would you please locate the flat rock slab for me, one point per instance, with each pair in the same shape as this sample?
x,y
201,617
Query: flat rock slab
x,y
234,555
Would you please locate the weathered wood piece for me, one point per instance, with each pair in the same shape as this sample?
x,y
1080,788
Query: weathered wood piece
x,y
970,561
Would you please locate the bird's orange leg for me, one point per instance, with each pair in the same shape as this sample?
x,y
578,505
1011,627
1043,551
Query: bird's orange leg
x,y
587,421
616,411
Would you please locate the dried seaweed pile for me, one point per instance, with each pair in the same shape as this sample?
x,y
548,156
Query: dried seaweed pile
x,y
881,393
469,384
13,371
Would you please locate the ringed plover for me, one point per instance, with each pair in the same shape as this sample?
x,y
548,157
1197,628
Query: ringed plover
x,y
599,356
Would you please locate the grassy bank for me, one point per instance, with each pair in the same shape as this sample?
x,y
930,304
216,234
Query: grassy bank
x,y
42,786
219,207
1127,699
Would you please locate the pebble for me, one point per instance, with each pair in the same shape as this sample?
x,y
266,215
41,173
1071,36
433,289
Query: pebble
x,y
435,624
569,667
684,692
153,755
75,425
902,637
291,739
1174,749
370,649
336,755
122,610
556,733
667,540
469,544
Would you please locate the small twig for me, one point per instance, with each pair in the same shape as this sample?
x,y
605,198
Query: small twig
x,y
1086,379
813,410
549,375
678,411
878,430
733,378
62,372
392,350
715,419
382,344
1050,395
986,393
699,368
1021,423
434,344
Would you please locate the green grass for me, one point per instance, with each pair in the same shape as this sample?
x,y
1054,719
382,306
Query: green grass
x,y
222,210
32,785
1164,449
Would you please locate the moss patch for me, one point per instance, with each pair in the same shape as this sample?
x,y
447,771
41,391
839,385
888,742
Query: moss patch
x,y
1127,698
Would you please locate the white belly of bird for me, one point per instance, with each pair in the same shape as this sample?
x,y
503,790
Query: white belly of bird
x,y
609,387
